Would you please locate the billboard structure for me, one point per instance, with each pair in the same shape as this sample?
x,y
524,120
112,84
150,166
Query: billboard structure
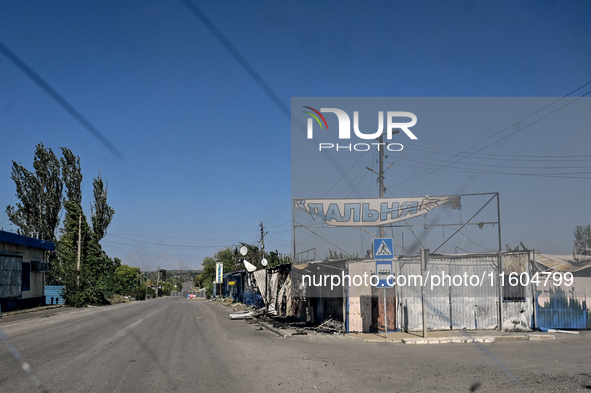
x,y
395,214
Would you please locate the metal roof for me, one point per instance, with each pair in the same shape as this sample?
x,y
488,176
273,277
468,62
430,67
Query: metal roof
x,y
563,263
13,238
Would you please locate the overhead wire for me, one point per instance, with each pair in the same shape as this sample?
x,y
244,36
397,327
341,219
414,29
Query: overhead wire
x,y
567,175
164,245
499,166
438,167
501,157
344,174
363,171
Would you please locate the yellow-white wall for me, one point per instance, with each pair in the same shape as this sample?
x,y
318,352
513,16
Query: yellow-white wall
x,y
37,285
29,254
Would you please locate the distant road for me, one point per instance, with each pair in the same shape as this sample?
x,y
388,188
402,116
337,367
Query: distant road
x,y
187,287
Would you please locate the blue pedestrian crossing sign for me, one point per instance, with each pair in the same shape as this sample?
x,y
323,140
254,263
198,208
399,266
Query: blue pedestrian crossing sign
x,y
383,248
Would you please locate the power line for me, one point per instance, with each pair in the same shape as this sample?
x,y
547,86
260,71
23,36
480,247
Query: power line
x,y
435,167
344,174
568,175
499,166
325,240
148,253
503,157
288,230
280,225
164,245
168,237
362,171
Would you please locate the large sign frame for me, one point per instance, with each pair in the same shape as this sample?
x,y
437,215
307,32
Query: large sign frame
x,y
372,211
389,213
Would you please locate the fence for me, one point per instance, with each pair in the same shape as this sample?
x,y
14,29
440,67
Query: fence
x,y
197,294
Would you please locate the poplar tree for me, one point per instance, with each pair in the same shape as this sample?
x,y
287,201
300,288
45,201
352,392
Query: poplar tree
x,y
40,196
102,213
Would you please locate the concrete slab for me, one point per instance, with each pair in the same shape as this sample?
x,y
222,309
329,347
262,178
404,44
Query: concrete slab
x,y
541,337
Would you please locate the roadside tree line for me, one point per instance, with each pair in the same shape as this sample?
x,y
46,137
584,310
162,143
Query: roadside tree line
x,y
52,190
234,261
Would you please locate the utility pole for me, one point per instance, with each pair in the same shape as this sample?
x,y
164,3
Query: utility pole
x,y
157,278
381,180
381,177
424,261
79,246
263,233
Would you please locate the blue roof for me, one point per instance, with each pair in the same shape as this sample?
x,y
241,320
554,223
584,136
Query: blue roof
x,y
9,237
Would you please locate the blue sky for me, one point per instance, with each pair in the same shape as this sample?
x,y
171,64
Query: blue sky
x,y
207,152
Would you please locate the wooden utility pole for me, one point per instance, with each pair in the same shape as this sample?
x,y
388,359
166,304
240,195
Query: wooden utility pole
x,y
381,177
157,278
79,247
267,297
424,261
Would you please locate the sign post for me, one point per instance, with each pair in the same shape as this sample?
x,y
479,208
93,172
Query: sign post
x,y
219,275
424,260
383,254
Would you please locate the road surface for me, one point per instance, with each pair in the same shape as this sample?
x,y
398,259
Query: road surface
x,y
180,345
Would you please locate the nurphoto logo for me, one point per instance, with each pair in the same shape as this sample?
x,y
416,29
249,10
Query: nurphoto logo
x,y
393,126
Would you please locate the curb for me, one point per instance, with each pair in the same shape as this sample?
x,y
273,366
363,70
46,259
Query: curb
x,y
30,310
273,330
385,340
483,339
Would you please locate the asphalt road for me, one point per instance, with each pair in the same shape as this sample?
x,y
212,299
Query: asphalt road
x,y
180,345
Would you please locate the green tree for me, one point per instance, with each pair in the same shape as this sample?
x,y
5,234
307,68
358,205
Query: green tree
x,y
102,213
80,287
276,258
71,175
167,288
205,279
253,255
95,282
72,179
582,235
126,279
229,257
37,213
40,196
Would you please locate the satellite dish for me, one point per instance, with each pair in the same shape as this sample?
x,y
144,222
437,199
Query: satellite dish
x,y
249,266
243,250
264,262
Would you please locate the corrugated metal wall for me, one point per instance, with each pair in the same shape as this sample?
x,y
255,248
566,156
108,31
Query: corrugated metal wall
x,y
565,307
472,305
54,293
451,306
475,307
11,268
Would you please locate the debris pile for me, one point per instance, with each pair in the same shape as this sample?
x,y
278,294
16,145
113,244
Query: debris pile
x,y
331,326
